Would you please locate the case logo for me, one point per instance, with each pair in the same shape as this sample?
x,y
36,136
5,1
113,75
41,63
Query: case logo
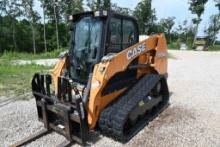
x,y
136,51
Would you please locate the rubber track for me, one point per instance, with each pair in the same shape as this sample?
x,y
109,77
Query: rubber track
x,y
113,117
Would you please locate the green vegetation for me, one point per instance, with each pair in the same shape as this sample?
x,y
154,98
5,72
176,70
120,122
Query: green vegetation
x,y
171,56
15,80
197,7
174,46
30,56
214,48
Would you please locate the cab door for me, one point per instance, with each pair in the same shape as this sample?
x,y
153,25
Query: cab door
x,y
122,33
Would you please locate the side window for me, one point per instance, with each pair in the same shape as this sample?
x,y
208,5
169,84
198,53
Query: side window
x,y
128,34
115,36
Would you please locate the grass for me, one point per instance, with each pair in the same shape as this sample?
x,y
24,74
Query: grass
x,y
176,46
173,46
171,56
15,80
214,48
30,56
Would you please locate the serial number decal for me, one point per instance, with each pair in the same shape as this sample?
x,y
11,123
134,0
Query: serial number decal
x,y
136,51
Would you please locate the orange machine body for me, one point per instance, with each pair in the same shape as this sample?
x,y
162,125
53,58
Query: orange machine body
x,y
152,51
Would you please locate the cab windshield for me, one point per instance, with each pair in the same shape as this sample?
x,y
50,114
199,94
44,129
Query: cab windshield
x,y
86,39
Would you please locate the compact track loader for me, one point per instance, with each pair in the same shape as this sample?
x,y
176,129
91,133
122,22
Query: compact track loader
x,y
108,81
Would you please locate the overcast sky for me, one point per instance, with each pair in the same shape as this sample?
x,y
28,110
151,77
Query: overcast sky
x,y
164,8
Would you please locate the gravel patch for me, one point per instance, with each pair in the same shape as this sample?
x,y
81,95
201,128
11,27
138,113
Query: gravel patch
x,y
192,119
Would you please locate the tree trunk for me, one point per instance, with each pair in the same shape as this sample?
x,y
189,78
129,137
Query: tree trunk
x,y
215,31
98,4
67,29
45,39
169,36
194,40
57,31
213,43
33,38
13,36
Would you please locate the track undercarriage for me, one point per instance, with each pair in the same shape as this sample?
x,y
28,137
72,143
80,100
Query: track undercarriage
x,y
133,110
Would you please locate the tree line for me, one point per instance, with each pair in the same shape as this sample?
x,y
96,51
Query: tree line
x,y
24,29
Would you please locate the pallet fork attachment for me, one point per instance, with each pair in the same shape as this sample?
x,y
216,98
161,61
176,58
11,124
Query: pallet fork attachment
x,y
64,113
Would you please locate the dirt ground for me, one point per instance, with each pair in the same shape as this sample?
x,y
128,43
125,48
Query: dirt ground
x,y
192,119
